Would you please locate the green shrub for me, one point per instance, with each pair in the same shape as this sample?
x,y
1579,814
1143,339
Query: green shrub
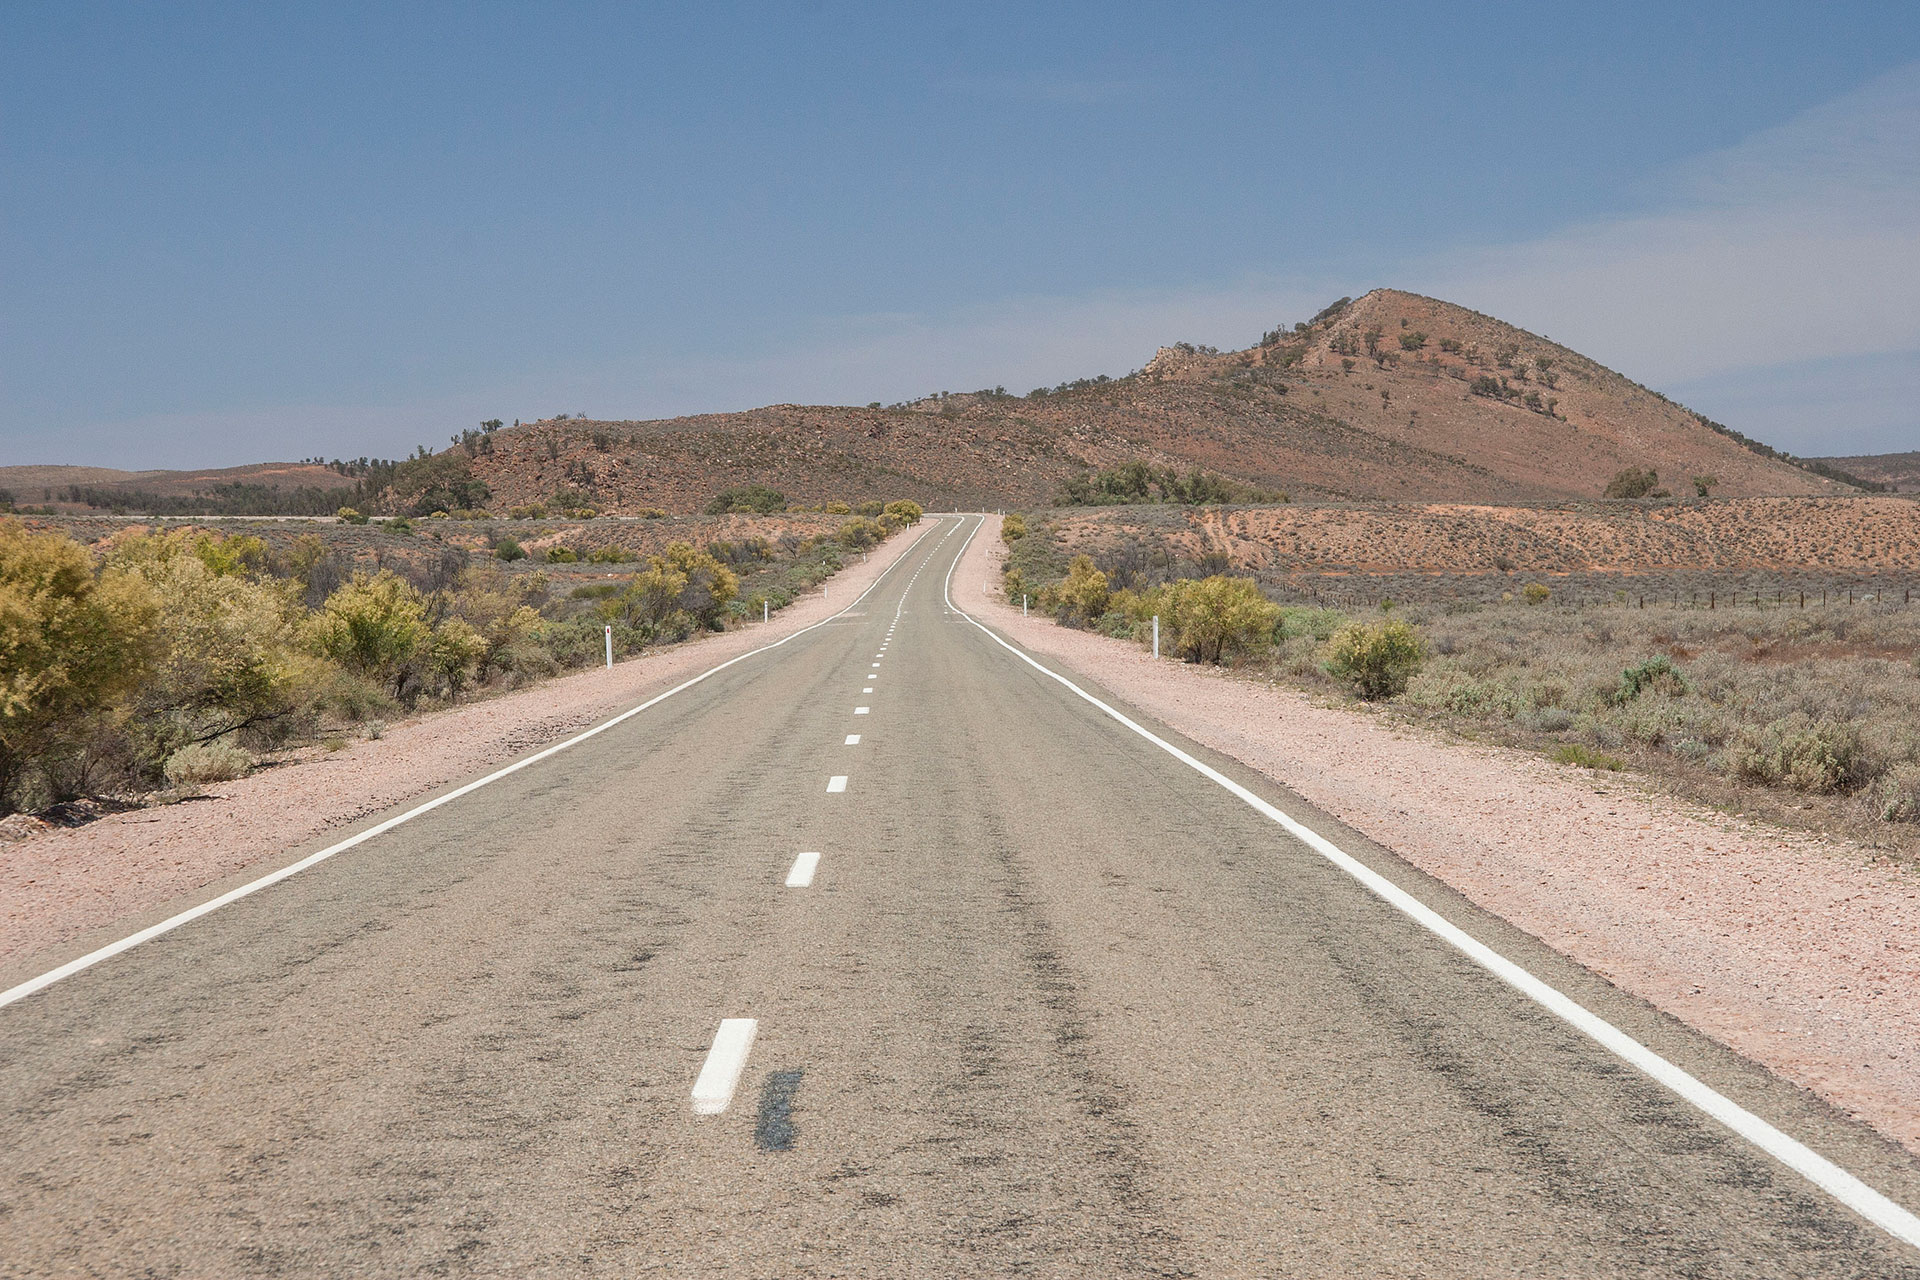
x,y
1081,597
1586,758
1013,528
1633,482
905,511
872,509
200,762
838,509
859,533
749,499
562,555
1535,593
347,515
373,625
611,555
1658,674
1377,659
1217,618
509,549
1802,754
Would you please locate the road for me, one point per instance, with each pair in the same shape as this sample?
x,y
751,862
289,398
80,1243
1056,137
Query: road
x,y
1050,1001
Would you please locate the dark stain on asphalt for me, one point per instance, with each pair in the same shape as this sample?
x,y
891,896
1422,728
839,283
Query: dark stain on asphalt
x,y
774,1130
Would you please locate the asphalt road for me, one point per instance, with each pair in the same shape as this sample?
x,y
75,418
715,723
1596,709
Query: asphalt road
x,y
1053,1004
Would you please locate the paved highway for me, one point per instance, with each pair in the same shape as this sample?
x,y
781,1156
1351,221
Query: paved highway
x,y
884,952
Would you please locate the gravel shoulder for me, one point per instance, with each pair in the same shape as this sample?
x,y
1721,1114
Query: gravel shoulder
x,y
60,887
1800,953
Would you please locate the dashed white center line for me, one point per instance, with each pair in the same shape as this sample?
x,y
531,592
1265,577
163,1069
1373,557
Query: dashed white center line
x,y
860,711
725,1061
838,782
853,739
868,689
801,877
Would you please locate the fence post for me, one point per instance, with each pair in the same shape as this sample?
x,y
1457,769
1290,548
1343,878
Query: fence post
x,y
609,646
1156,635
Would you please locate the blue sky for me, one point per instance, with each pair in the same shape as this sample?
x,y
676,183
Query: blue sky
x,y
230,233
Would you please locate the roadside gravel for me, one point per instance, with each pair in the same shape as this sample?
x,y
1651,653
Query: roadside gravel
x,y
1802,954
59,887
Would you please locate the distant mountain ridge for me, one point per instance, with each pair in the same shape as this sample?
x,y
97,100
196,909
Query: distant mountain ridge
x,y
1392,396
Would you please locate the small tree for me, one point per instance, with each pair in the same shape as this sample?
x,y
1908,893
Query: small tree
x,y
1703,485
1084,594
1634,482
1217,618
374,625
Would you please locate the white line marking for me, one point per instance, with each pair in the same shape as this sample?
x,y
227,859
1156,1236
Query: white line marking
x,y
860,711
1802,1159
868,689
853,739
720,1075
801,877
112,949
838,782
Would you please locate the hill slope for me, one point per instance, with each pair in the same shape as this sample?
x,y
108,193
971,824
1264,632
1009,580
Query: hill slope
x,y
1392,396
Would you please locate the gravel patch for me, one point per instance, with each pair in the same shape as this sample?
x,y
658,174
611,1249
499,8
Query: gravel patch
x,y
57,885
1802,954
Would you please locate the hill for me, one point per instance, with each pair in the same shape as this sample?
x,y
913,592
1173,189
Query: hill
x,y
1393,396
1900,472
263,488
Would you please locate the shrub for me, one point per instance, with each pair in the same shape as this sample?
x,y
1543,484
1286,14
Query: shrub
x,y
1535,593
610,555
1213,619
1658,674
71,642
1634,482
872,509
1821,756
1377,659
749,498
905,511
1013,528
859,533
651,513
373,625
199,762
532,511
1703,485
1413,340
347,515
1586,758
837,509
562,555
1082,596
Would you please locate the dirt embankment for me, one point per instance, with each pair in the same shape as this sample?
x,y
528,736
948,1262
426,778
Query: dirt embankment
x,y
1802,954
65,890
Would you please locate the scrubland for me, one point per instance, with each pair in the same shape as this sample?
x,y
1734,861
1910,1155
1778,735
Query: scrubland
x,y
140,662
1804,713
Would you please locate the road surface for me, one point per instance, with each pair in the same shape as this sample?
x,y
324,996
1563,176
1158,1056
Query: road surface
x,y
882,953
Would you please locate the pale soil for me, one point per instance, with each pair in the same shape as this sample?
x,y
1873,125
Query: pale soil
x,y
1800,953
58,885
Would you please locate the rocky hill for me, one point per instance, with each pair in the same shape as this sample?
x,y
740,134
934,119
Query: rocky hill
x,y
1391,396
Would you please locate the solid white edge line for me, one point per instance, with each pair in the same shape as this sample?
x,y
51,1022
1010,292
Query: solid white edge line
x,y
720,1073
838,782
112,949
801,877
1849,1190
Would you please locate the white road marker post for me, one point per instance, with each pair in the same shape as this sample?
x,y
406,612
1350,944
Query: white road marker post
x,y
765,613
1156,637
1023,604
609,646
